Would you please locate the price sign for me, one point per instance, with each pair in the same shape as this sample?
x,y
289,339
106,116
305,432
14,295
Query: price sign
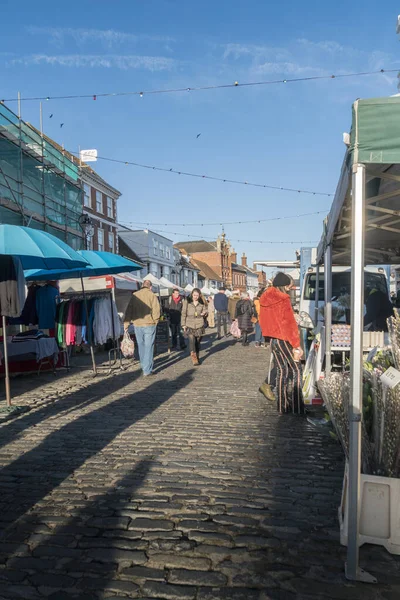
x,y
391,377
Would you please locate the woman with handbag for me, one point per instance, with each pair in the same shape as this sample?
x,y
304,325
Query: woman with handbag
x,y
278,322
193,321
244,314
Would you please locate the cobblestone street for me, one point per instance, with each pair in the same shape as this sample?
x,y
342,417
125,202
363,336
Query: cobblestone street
x,y
186,485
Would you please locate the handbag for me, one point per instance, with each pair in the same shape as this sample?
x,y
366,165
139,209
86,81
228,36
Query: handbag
x,y
205,322
127,345
235,331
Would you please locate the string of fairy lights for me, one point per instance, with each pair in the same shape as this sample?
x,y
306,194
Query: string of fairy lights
x,y
212,178
235,84
207,238
223,223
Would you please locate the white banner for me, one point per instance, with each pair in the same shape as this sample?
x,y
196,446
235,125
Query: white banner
x,y
88,155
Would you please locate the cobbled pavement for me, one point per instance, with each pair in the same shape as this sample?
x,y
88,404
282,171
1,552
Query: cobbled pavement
x,y
183,486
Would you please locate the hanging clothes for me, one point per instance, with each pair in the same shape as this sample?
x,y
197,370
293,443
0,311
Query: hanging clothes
x,y
46,305
10,286
29,314
106,324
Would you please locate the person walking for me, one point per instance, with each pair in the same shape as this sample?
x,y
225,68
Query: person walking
x,y
221,306
244,313
194,311
144,312
211,312
174,313
259,335
233,300
278,322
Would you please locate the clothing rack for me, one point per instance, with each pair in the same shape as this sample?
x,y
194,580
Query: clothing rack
x,y
98,294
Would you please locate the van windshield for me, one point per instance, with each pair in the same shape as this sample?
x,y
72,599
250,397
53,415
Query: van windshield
x,y
341,284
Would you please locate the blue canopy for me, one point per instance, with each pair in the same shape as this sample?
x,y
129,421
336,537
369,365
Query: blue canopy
x,y
98,263
38,249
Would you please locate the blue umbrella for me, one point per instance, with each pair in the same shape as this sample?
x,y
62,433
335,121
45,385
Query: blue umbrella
x,y
97,263
38,249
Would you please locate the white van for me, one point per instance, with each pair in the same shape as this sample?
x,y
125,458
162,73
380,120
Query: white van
x,y
374,277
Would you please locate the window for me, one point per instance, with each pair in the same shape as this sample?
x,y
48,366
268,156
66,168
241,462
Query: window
x,y
155,247
99,202
111,242
167,252
110,208
87,201
100,240
161,250
341,283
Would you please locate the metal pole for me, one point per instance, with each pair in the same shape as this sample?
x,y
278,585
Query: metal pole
x,y
316,296
356,373
328,308
7,374
89,332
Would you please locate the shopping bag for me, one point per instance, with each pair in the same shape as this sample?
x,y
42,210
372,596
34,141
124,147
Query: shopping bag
x,y
235,331
127,346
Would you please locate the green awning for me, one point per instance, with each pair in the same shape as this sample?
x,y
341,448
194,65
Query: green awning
x,y
375,131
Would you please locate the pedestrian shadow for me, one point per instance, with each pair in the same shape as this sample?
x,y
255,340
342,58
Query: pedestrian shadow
x,y
34,475
93,544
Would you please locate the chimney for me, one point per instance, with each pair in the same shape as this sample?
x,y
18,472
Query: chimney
x,y
233,257
244,260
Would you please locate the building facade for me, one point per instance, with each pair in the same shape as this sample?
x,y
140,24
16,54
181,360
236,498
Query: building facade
x,y
100,205
238,274
184,272
214,254
39,183
251,276
155,251
207,277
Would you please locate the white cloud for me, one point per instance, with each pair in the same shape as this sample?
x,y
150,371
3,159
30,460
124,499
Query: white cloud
x,y
108,61
108,37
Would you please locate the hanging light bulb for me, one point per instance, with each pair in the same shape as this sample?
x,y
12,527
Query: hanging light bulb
x,y
141,94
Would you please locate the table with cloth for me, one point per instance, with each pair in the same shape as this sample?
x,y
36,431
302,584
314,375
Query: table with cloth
x,y
42,350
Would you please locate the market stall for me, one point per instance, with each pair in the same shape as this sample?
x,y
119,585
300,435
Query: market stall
x,y
89,319
363,227
25,248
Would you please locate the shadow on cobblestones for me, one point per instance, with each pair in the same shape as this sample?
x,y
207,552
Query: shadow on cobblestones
x,y
76,400
82,557
36,473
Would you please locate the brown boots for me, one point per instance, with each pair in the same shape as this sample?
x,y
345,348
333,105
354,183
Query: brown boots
x,y
195,359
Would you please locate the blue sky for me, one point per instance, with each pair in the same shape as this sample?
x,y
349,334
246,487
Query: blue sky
x,y
285,135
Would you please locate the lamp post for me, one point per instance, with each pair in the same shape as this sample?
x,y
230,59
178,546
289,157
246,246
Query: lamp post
x,y
86,225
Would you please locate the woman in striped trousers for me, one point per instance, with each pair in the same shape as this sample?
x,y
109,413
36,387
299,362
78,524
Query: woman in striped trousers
x,y
278,323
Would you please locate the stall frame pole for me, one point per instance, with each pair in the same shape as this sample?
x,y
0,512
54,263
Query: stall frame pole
x,y
328,308
353,572
89,333
316,309
6,368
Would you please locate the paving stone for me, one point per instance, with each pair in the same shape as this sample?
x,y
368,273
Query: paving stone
x,y
189,577
143,573
167,591
171,561
116,555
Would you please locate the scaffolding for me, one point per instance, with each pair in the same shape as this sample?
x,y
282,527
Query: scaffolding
x,y
39,183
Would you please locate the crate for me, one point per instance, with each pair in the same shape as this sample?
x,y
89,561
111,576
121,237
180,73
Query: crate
x,y
379,512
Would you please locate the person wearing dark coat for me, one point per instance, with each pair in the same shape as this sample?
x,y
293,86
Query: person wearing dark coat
x,y
174,313
244,313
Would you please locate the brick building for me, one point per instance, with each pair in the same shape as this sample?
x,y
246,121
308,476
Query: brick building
x,y
238,274
100,204
214,254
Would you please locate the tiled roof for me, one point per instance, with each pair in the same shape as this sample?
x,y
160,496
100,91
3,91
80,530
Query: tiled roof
x,y
206,271
197,246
